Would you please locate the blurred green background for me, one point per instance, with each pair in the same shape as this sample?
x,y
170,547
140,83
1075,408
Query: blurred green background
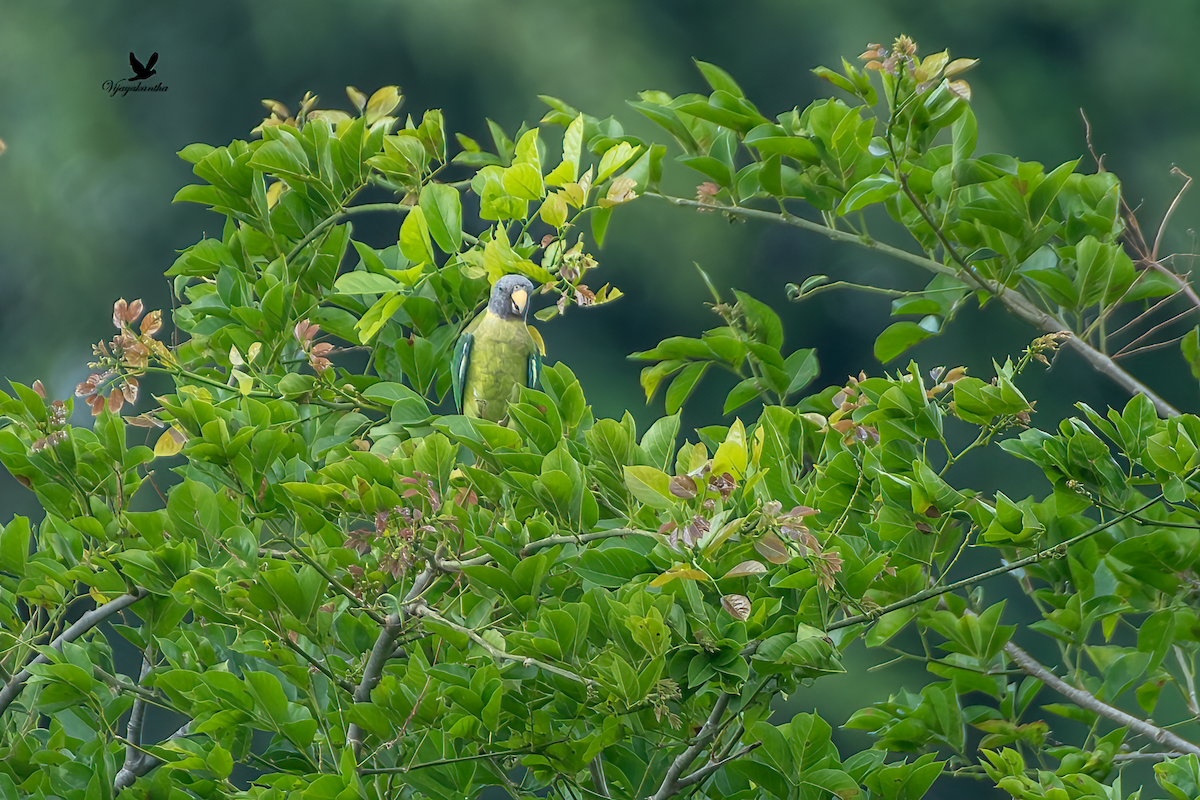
x,y
87,179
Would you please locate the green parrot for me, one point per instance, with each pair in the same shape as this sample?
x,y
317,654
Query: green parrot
x,y
496,352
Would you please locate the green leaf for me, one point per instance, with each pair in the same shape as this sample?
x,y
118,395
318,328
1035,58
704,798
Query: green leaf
x,y
719,79
764,323
14,546
358,282
442,209
568,170
414,237
684,383
874,189
613,159
898,337
963,136
1191,350
658,443
523,181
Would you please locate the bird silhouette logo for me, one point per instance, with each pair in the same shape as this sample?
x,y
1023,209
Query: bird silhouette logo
x,y
140,73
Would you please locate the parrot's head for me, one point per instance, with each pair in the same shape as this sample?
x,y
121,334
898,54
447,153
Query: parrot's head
x,y
510,297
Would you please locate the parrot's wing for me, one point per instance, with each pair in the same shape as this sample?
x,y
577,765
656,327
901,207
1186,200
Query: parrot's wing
x,y
535,368
458,367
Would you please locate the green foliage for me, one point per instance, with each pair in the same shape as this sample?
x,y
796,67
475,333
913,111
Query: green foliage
x,y
406,603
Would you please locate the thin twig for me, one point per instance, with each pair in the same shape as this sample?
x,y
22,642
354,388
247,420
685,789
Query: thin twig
x,y
85,623
333,219
1149,347
550,541
418,608
671,783
1170,210
1140,756
1089,701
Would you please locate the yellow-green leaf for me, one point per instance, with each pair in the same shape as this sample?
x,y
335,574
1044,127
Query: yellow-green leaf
x,y
523,181
554,210
568,170
649,485
613,159
382,103
731,455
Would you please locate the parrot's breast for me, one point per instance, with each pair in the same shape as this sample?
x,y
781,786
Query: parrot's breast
x,y
499,362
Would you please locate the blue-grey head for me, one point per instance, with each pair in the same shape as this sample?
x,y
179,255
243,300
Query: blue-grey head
x,y
510,297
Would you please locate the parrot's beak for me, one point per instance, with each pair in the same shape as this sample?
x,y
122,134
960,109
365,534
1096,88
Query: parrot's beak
x,y
519,299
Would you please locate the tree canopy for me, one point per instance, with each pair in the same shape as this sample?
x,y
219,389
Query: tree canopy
x,y
339,590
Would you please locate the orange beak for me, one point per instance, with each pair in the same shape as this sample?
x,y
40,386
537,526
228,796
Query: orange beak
x,y
519,299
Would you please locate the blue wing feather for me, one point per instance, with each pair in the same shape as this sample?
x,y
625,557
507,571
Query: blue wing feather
x,y
535,369
458,367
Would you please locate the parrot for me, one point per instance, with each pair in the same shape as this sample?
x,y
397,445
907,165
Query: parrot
x,y
496,352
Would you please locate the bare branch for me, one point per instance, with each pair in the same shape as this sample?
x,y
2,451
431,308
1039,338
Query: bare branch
x,y
1017,303
671,783
1162,228
1089,701
84,624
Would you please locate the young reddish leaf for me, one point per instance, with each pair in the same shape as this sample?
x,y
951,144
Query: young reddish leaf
x,y
772,549
746,568
738,606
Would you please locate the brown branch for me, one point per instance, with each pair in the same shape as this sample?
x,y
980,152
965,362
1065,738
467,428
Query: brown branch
x,y
1017,303
1089,701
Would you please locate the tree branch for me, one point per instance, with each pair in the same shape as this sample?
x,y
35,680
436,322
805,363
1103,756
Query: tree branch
x,y
550,541
713,766
382,651
85,623
671,783
144,762
133,731
1139,756
1090,702
1017,303
596,767
1056,551
420,609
